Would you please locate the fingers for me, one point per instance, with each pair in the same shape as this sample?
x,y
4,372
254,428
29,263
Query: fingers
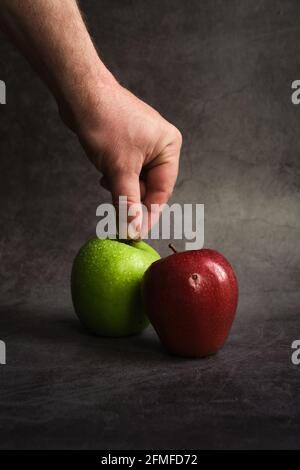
x,y
104,183
160,181
153,187
159,187
125,184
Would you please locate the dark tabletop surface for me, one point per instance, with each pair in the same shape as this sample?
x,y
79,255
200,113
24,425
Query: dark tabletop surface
x,y
62,388
222,72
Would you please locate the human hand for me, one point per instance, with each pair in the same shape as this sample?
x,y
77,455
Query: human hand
x,y
132,145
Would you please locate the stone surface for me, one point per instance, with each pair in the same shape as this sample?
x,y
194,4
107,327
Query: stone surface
x,y
222,72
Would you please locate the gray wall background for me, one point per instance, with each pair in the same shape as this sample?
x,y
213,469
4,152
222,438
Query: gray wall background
x,y
222,72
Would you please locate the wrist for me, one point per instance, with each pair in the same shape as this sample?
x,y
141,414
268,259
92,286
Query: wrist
x,y
81,104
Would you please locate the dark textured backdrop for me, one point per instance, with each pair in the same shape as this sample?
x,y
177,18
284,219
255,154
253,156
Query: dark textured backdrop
x,y
222,72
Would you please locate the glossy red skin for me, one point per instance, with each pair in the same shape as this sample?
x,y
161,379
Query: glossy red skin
x,y
192,315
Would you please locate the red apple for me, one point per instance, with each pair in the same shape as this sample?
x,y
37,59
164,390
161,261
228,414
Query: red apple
x,y
191,300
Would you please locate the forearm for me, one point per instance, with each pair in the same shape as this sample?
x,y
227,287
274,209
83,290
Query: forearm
x,y
121,134
54,38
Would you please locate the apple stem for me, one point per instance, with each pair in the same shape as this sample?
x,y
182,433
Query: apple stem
x,y
172,247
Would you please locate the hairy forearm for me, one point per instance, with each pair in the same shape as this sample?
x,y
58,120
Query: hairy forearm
x,y
121,134
54,38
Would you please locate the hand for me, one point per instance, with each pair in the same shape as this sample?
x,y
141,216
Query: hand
x,y
132,145
129,142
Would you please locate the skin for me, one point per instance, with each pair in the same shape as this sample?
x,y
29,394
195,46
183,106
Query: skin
x,y
132,145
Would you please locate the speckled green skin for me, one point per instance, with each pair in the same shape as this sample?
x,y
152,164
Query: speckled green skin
x,y
105,285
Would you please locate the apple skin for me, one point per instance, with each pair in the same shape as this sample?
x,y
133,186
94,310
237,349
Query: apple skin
x,y
191,299
106,286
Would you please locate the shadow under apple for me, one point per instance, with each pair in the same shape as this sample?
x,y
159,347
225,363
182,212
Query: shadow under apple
x,y
53,331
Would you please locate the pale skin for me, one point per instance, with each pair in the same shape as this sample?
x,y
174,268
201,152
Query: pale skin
x,y
131,144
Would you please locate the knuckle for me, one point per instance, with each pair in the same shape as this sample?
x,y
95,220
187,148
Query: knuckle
x,y
119,168
177,136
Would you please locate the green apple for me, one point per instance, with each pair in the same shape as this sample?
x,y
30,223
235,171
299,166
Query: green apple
x,y
106,285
